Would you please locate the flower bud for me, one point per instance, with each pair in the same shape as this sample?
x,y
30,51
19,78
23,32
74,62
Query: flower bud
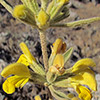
x,y
27,53
42,18
58,47
58,65
24,14
59,61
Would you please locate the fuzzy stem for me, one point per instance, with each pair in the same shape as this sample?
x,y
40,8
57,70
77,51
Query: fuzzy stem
x,y
44,49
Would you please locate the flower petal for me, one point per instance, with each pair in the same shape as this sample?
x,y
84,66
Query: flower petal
x,y
14,79
24,82
57,46
16,69
86,77
18,81
84,93
14,82
18,84
59,60
83,64
8,87
22,59
27,53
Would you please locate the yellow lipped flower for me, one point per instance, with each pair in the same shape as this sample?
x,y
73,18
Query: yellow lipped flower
x,y
84,93
77,77
21,76
83,74
19,70
85,77
58,47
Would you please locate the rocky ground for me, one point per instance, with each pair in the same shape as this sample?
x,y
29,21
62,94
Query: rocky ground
x,y
84,39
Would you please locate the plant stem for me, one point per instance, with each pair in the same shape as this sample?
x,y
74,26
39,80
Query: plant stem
x,y
44,49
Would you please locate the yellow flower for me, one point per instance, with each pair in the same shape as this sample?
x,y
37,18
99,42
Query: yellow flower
x,y
19,70
85,77
77,77
21,76
83,74
84,93
14,82
58,47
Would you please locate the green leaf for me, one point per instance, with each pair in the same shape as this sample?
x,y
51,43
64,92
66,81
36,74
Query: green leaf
x,y
31,4
37,68
77,23
62,83
58,94
62,15
67,54
51,59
